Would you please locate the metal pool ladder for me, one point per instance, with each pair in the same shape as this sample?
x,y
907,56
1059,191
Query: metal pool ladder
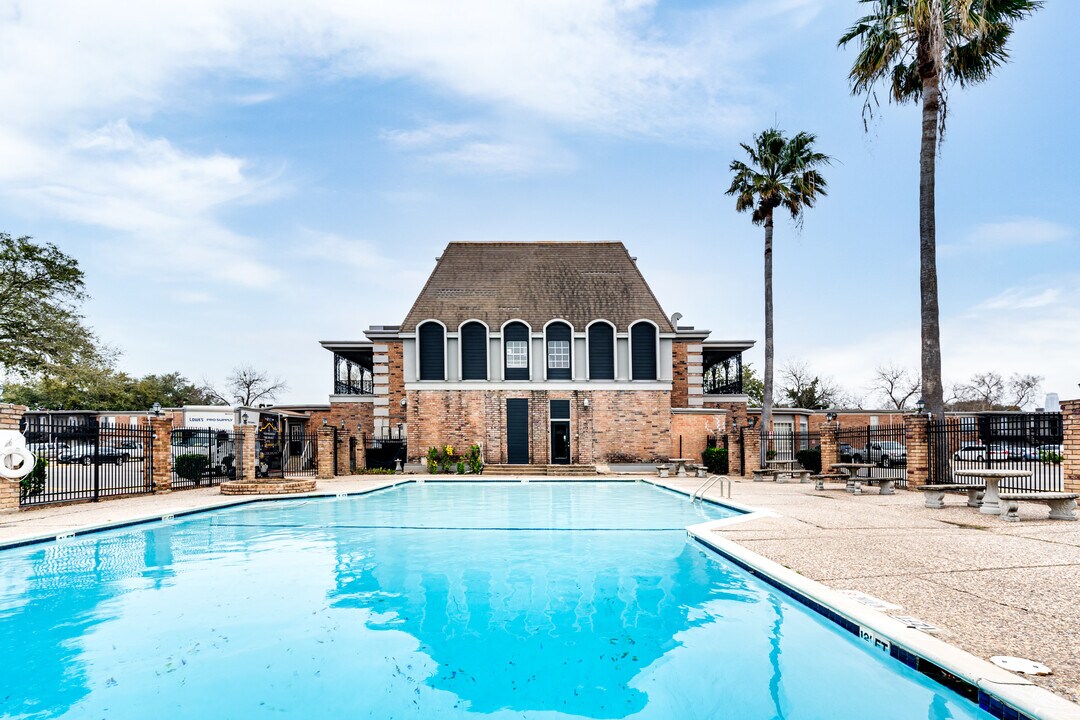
x,y
724,480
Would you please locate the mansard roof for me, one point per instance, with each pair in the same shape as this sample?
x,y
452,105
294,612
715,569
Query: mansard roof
x,y
536,282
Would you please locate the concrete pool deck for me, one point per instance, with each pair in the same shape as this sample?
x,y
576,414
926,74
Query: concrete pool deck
x,y
993,588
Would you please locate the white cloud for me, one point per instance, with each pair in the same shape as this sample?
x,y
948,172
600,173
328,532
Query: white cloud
x,y
338,249
1022,232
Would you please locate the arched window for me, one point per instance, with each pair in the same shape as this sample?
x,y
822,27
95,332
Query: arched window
x,y
601,337
432,351
516,351
559,338
474,351
642,351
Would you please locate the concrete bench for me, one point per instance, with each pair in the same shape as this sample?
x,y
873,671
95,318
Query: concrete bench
x,y
819,480
935,494
662,469
1062,505
699,470
761,475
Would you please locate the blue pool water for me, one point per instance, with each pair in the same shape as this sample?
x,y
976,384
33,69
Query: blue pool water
x,y
539,600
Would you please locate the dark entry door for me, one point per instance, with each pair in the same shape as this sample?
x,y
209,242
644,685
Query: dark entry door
x,y
560,442
517,431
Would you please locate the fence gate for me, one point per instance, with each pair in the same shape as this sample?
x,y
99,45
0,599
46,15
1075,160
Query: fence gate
x,y
883,446
1008,441
786,445
202,456
384,452
299,453
86,462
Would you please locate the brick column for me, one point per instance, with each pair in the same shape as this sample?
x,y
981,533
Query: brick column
x,y
830,446
10,417
734,468
324,453
245,452
752,452
162,465
1070,446
917,439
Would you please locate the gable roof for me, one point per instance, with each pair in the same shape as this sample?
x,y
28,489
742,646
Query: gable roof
x,y
536,282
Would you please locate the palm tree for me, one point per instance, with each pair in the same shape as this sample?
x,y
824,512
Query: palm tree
x,y
914,48
782,173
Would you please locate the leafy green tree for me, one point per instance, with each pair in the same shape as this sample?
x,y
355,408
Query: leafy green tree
x,y
41,289
914,48
96,386
782,173
752,386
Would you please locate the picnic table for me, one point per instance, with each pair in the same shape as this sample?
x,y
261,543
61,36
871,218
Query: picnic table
x,y
680,465
786,467
854,484
991,502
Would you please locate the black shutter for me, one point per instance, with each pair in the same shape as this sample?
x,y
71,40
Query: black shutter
x,y
556,332
560,409
474,363
643,351
601,352
432,354
516,331
517,431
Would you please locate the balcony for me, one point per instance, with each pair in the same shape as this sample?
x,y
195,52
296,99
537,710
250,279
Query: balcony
x,y
722,373
352,376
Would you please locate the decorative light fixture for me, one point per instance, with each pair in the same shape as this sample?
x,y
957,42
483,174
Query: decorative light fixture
x,y
920,405
155,409
324,422
585,402
735,423
753,421
830,416
342,423
404,402
244,419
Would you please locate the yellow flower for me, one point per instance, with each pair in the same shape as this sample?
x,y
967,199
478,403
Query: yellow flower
x,y
450,450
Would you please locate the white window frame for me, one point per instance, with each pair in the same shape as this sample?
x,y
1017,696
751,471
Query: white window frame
x,y
520,355
558,351
503,360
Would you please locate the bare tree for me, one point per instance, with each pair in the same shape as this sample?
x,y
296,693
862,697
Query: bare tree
x,y
984,391
802,388
896,383
1024,388
246,386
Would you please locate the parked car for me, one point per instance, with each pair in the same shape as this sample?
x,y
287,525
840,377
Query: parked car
x,y
885,453
47,450
131,449
979,453
85,455
1049,453
846,452
1023,452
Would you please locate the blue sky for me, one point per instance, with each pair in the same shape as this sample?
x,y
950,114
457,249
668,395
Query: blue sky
x,y
240,180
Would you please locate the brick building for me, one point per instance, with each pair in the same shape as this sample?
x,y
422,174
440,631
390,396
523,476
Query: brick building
x,y
541,353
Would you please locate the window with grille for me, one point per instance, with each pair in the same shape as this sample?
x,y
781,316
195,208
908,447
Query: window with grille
x,y
558,354
517,354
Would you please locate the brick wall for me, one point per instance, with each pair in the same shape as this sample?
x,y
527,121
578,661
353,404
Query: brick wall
x,y
161,472
1070,464
355,415
917,442
10,415
854,420
694,429
632,422
679,375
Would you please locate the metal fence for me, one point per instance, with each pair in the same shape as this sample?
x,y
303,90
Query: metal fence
x,y
785,445
87,461
1005,441
883,446
202,456
300,454
386,450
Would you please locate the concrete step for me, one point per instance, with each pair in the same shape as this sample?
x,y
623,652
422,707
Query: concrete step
x,y
533,470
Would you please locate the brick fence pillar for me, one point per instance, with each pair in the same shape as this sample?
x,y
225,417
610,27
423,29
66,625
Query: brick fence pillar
x,y
917,439
752,450
244,445
324,453
1070,446
161,469
733,446
830,445
10,417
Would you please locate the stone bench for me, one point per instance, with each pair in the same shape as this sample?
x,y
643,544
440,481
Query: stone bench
x,y
698,470
1062,505
761,475
819,480
935,494
662,469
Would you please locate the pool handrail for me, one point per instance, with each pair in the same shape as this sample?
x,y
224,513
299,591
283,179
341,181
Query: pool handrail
x,y
712,480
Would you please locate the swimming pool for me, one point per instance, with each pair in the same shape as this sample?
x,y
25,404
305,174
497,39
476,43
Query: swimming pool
x,y
441,600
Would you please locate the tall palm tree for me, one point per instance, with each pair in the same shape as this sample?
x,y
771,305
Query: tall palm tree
x,y
782,174
915,48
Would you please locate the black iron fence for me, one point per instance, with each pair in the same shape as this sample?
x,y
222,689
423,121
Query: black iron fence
x,y
882,446
787,445
1013,441
87,461
300,454
386,450
202,456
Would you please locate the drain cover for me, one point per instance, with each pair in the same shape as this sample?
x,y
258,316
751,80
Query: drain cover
x,y
1020,665
917,624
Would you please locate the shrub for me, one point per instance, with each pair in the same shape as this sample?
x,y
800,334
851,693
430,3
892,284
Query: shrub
x,y
1050,457
476,463
34,482
715,460
810,459
191,466
460,468
433,460
374,471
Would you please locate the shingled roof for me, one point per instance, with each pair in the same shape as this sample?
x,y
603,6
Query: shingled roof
x,y
536,282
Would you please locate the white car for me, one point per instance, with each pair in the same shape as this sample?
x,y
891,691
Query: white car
x,y
979,453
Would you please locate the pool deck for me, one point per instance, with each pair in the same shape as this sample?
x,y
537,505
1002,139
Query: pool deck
x,y
993,588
